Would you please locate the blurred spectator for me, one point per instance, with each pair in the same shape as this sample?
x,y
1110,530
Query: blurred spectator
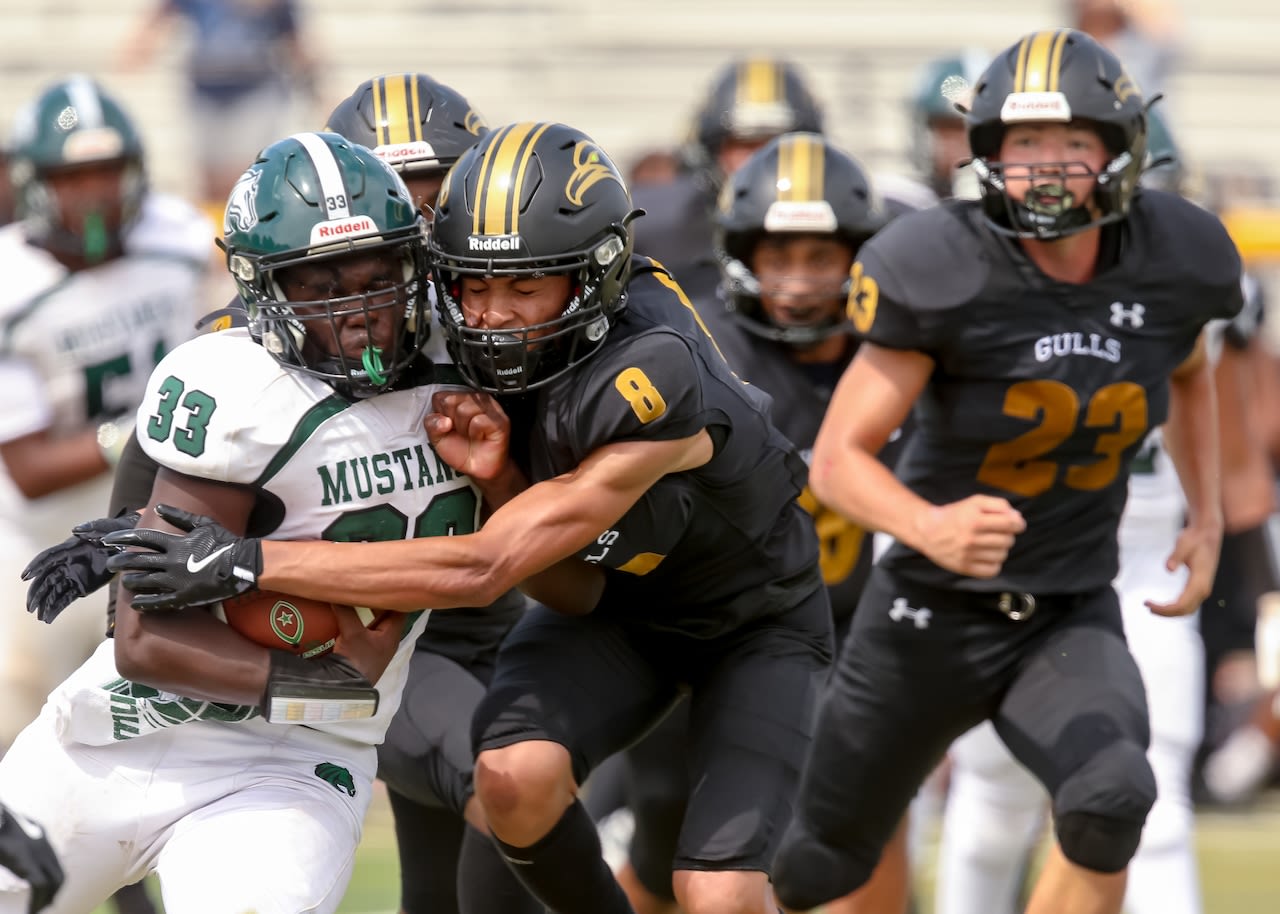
x,y
1144,34
244,61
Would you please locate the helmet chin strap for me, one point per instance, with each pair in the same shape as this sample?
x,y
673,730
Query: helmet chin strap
x,y
371,358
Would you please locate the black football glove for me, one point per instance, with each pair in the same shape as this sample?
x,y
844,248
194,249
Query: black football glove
x,y
26,852
74,568
206,564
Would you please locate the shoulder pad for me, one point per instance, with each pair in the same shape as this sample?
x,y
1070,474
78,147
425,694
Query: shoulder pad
x,y
202,404
931,259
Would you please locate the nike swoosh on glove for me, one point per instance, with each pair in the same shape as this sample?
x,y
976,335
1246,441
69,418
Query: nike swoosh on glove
x,y
74,568
204,565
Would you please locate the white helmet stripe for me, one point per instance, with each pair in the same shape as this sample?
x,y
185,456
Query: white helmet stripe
x,y
333,192
84,98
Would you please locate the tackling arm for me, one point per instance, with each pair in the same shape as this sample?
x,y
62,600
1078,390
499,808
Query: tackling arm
x,y
541,526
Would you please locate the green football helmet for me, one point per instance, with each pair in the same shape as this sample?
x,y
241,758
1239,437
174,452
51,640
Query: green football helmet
x,y
532,199
943,82
308,198
72,124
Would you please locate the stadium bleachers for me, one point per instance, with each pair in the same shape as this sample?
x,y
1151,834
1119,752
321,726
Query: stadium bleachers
x,y
630,73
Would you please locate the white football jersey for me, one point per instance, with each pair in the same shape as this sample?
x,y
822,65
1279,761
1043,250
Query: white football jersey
x,y
220,407
76,348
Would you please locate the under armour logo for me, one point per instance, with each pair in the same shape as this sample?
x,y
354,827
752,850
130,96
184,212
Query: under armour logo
x,y
1120,315
900,610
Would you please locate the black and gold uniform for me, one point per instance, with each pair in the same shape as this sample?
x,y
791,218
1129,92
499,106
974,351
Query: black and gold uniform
x,y
713,585
1041,393
1066,380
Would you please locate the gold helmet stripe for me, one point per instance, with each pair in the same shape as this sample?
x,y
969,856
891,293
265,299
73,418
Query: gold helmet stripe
x,y
1055,58
415,110
801,169
502,177
396,110
759,82
1039,59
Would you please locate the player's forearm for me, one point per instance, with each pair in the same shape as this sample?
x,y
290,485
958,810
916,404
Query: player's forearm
x,y
406,575
191,654
41,465
1191,438
855,484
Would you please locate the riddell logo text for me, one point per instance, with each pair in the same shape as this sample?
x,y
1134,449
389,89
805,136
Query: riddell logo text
x,y
493,242
340,228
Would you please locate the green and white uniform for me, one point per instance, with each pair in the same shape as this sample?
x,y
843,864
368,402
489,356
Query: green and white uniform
x,y
200,774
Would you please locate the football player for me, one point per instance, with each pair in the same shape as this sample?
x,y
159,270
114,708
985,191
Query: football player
x,y
939,144
995,806
418,126
748,103
789,224
637,488
306,423
1040,332
103,277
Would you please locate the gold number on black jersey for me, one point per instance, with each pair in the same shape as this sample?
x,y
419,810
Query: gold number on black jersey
x,y
839,540
638,390
1119,410
864,296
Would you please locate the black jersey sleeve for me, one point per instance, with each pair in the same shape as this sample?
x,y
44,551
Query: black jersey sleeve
x,y
914,276
649,389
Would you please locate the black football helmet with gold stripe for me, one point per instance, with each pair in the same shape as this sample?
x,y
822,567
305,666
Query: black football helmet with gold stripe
x,y
532,199
415,124
799,183
751,99
1058,75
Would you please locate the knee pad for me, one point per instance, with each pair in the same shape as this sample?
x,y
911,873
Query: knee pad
x,y
1100,809
808,873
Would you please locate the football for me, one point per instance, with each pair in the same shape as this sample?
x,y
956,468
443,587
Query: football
x,y
297,624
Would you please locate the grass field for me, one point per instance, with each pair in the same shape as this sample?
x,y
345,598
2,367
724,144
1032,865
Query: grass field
x,y
1239,863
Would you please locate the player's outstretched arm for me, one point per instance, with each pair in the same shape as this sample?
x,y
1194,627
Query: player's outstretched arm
x,y
546,523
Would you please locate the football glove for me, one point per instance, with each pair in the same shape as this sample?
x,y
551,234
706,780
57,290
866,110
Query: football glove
x,y
74,568
26,852
204,565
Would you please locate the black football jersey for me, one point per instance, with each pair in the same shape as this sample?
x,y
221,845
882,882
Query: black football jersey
x,y
676,231
1042,391
705,550
800,396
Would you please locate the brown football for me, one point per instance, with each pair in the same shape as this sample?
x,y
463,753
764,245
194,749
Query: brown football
x,y
297,624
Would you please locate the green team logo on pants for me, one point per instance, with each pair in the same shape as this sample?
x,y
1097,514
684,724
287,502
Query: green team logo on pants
x,y
338,776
